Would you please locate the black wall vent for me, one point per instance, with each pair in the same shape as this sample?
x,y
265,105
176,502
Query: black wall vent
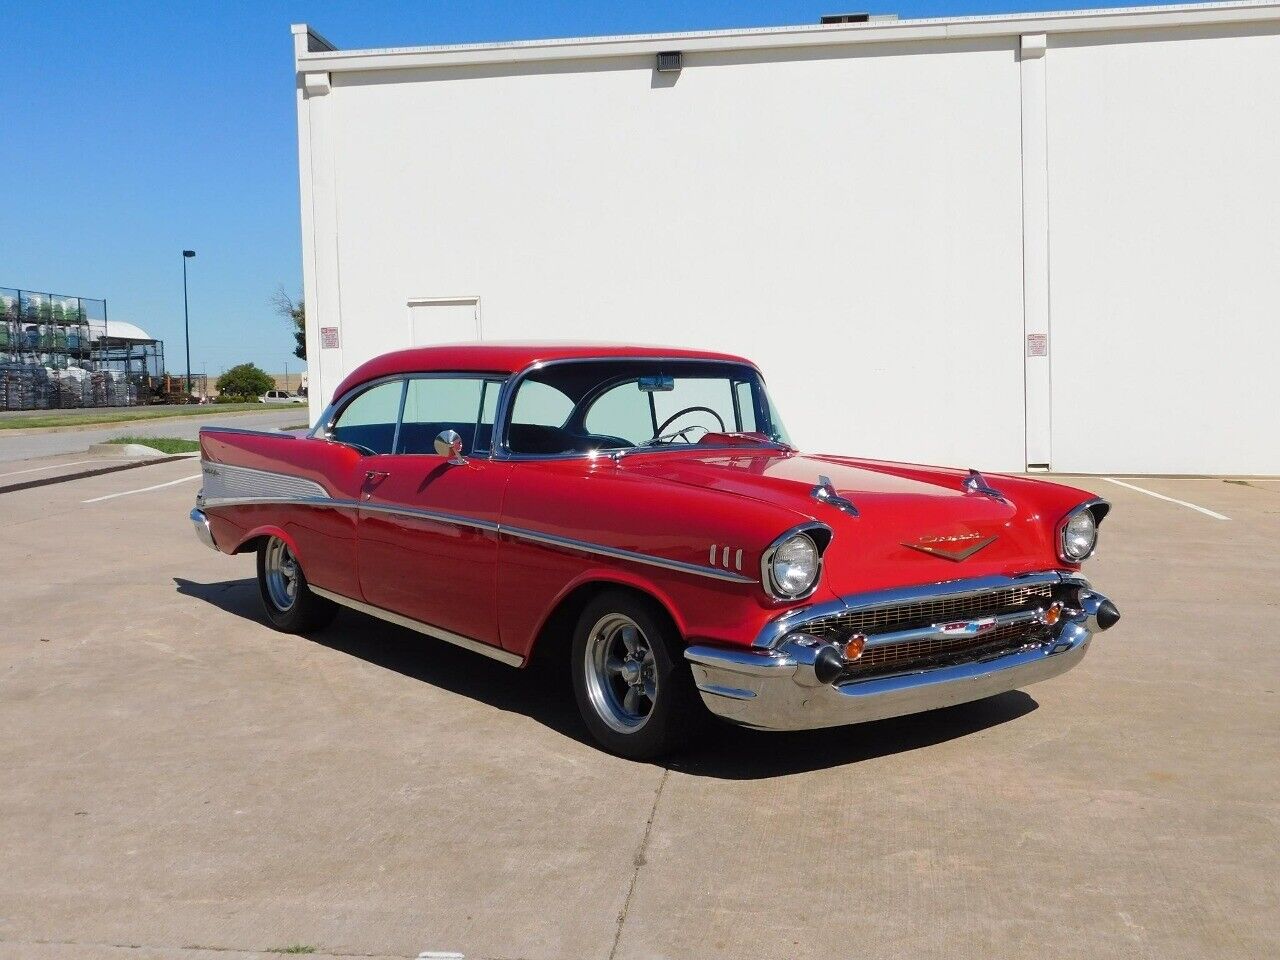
x,y
669,61
845,18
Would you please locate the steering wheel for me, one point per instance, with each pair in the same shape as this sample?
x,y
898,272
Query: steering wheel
x,y
659,433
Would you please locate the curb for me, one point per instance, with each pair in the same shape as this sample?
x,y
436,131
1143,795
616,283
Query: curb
x,y
99,471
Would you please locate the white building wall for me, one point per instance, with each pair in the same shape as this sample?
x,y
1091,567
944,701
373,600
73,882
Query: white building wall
x,y
1164,186
852,217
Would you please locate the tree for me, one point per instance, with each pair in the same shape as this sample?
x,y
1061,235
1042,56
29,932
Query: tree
x,y
296,314
245,380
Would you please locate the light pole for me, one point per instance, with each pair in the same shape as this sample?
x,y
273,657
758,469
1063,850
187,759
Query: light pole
x,y
186,318
286,376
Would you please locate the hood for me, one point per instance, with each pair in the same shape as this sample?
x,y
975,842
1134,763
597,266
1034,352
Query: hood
x,y
914,525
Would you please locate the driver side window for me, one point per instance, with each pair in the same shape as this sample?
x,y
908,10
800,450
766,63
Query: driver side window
x,y
369,421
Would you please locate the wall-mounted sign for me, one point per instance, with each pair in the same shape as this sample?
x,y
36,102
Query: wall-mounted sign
x,y
1037,344
329,338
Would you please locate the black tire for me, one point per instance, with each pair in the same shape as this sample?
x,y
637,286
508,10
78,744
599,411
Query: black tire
x,y
623,712
305,611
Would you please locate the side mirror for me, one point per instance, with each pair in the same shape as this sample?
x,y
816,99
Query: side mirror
x,y
449,444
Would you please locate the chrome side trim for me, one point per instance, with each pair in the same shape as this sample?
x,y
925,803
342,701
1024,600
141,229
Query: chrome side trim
x,y
439,633
223,480
773,631
252,433
520,533
616,553
419,514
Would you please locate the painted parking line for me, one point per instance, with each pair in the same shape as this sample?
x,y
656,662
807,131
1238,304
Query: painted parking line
x,y
125,493
51,466
1160,496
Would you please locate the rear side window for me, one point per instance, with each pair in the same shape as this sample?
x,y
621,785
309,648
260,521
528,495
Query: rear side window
x,y
369,421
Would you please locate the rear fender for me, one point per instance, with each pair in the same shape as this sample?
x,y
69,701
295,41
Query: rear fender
x,y
270,530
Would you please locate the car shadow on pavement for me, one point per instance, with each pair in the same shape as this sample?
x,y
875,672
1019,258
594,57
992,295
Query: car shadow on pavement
x,y
724,751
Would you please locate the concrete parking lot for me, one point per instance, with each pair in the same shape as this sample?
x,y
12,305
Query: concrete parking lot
x,y
179,781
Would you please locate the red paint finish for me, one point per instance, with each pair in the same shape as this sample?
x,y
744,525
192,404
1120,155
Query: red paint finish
x,y
500,587
438,572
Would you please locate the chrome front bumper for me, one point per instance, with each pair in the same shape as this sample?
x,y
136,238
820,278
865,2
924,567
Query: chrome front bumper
x,y
204,532
779,688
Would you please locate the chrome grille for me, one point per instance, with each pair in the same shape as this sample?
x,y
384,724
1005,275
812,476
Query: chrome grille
x,y
924,613
935,651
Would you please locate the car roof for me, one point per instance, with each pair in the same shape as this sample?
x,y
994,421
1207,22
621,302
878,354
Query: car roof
x,y
510,357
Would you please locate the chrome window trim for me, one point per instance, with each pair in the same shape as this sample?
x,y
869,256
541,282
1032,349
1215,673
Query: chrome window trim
x,y
766,559
502,418
439,633
489,526
334,410
773,631
1099,508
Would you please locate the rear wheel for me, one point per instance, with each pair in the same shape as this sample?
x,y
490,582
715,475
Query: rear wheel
x,y
634,690
290,605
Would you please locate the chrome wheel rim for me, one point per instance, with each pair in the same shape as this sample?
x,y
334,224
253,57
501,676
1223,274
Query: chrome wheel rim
x,y
621,673
281,571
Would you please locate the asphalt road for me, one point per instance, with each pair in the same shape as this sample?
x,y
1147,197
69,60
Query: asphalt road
x,y
182,783
54,442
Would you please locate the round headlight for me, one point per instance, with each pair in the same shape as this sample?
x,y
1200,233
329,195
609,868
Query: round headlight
x,y
1079,536
794,566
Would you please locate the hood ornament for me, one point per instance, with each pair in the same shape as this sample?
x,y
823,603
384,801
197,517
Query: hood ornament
x,y
956,548
825,492
977,483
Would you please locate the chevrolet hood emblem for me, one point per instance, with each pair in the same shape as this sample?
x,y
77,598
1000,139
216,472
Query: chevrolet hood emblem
x,y
959,547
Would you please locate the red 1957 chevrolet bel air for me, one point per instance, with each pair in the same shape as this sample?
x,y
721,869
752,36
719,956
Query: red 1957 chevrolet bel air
x,y
641,514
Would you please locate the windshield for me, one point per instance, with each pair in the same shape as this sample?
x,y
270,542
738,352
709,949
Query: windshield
x,y
611,405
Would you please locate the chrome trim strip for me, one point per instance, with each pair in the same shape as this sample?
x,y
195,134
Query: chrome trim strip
x,y
616,553
520,533
773,631
436,515
245,430
439,633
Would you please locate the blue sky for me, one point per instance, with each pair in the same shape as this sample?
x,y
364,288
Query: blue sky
x,y
134,130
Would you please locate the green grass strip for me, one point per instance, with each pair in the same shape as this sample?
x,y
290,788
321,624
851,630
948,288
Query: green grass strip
x,y
77,418
163,444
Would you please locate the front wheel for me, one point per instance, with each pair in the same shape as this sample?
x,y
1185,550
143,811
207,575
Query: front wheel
x,y
290,605
633,688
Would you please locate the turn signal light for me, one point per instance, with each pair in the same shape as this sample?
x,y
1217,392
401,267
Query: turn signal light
x,y
853,649
1053,614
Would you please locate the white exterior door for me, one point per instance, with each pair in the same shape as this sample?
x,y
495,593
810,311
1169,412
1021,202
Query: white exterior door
x,y
435,320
